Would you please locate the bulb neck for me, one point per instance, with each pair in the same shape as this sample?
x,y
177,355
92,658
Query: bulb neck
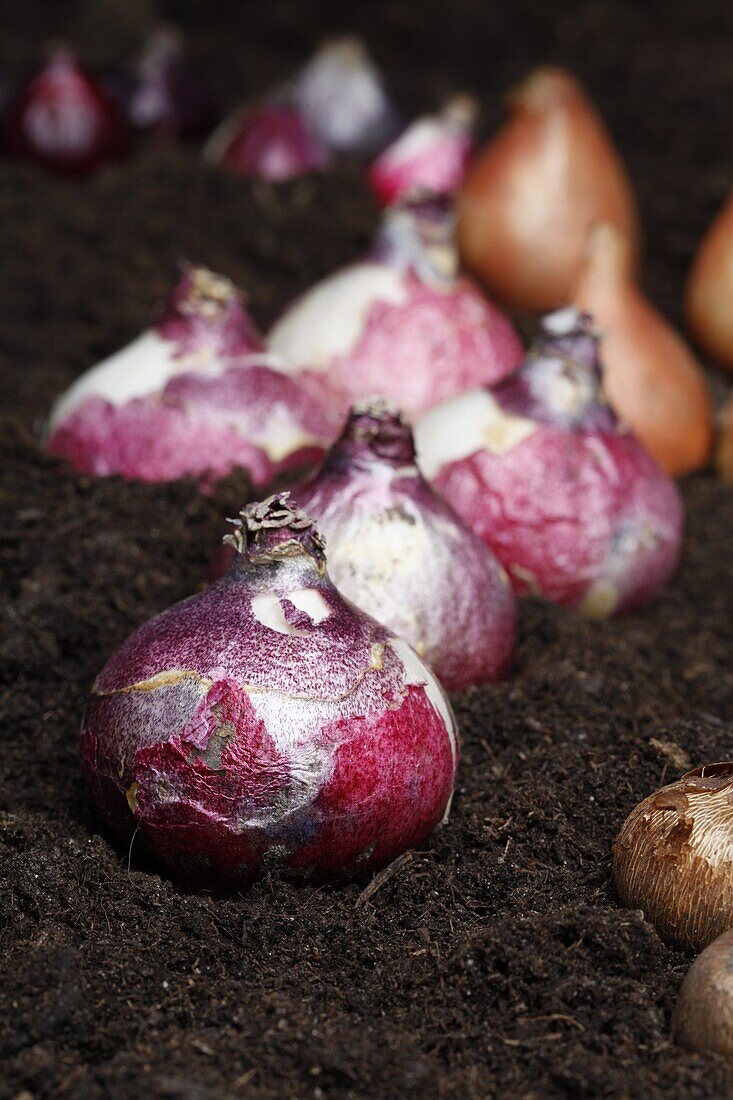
x,y
417,235
560,381
206,313
275,532
375,434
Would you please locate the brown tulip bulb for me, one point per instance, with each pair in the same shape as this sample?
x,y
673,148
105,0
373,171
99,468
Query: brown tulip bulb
x,y
703,1016
652,379
674,857
710,289
531,196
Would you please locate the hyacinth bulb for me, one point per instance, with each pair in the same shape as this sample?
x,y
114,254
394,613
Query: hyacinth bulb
x,y
568,499
270,141
399,552
63,120
197,395
268,720
342,96
164,95
404,322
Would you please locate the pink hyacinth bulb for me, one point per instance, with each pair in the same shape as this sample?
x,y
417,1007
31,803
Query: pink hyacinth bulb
x,y
267,720
197,396
540,467
403,322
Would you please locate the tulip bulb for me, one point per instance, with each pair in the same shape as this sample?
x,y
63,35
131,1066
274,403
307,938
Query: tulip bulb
x,y
710,289
530,198
652,378
674,857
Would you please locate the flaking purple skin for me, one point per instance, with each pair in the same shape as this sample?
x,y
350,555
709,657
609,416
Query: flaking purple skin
x,y
445,338
203,422
400,552
221,742
578,511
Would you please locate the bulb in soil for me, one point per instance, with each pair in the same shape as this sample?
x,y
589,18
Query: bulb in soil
x,y
651,377
710,289
673,857
271,141
341,95
532,195
268,720
404,322
703,1016
398,551
63,120
569,501
195,396
162,95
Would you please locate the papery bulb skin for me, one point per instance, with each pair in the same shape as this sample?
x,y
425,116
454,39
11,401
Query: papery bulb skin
x,y
165,96
268,720
399,552
404,322
570,502
651,377
63,120
672,857
532,195
195,396
271,141
709,290
341,95
430,156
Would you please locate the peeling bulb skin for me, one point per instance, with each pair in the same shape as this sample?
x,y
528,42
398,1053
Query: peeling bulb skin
x,y
196,396
268,718
342,97
399,552
429,157
673,857
403,323
651,377
532,195
703,1016
569,501
63,120
269,141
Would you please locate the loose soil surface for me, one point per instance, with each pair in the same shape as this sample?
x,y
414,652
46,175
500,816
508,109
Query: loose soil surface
x,y
496,962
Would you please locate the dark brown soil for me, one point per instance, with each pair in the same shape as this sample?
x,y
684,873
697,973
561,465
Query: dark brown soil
x,y
496,962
